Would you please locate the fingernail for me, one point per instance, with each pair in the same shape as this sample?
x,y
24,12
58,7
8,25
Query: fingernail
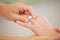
x,y
17,21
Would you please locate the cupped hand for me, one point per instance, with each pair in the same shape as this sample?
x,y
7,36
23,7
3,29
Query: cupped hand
x,y
13,12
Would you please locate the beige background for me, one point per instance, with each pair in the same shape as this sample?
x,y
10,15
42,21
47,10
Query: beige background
x,y
50,9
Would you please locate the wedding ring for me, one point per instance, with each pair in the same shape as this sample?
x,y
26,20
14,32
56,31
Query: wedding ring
x,y
30,17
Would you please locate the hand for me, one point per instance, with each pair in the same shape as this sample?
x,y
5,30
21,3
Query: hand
x,y
15,11
39,25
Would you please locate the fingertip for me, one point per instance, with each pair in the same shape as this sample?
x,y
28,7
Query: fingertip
x,y
33,16
57,29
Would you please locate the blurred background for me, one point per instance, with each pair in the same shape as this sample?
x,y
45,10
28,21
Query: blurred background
x,y
48,8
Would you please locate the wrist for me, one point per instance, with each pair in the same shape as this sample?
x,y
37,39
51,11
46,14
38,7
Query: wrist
x,y
2,7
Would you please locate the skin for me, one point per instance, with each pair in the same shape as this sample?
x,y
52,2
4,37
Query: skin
x,y
57,29
13,12
44,34
39,23
19,12
16,12
42,29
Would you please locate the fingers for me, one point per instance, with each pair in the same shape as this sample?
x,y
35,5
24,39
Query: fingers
x,y
24,24
31,11
21,23
28,10
20,18
33,21
57,29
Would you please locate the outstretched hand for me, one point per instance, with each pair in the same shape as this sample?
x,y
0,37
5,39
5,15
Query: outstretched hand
x,y
39,25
